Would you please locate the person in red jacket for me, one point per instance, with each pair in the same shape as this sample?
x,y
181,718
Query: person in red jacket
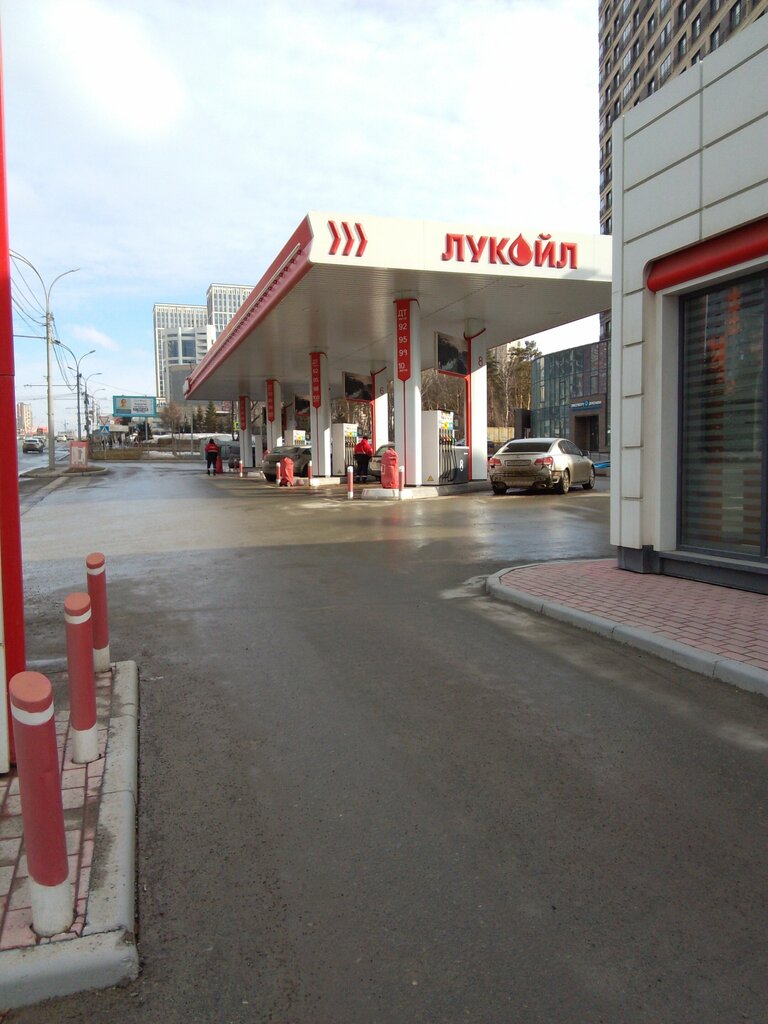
x,y
363,453
211,455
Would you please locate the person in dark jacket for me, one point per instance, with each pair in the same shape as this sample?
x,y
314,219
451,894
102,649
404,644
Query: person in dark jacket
x,y
211,455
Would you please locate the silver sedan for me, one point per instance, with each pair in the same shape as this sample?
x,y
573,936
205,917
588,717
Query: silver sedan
x,y
551,463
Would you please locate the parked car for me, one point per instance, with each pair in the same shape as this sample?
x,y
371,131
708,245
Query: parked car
x,y
61,438
301,458
374,466
33,444
551,463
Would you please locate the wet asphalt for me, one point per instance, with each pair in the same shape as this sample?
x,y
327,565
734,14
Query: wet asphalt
x,y
370,794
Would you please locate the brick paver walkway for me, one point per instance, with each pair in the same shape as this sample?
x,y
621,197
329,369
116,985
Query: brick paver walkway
x,y
81,786
724,622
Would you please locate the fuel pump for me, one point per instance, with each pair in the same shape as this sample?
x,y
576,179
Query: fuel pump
x,y
343,441
443,461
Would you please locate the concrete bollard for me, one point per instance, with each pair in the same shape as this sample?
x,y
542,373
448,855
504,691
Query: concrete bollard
x,y
350,482
82,684
96,569
42,813
400,481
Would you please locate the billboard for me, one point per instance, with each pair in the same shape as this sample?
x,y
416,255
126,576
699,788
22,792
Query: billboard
x,y
358,388
301,405
452,355
134,405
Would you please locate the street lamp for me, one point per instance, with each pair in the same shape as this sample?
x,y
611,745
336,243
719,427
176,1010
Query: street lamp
x,y
85,403
77,378
48,346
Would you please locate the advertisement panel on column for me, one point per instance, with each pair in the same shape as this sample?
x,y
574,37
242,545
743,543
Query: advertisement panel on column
x,y
271,401
244,418
403,321
317,394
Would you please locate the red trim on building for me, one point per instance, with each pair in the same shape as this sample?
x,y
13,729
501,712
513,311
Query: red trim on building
x,y
283,274
739,246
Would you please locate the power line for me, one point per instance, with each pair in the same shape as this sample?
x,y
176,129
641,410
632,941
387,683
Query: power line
x,y
30,292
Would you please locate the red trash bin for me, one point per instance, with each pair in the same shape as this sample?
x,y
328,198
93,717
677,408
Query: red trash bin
x,y
389,461
286,472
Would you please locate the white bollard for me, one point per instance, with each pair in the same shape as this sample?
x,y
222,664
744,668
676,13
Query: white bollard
x,y
350,482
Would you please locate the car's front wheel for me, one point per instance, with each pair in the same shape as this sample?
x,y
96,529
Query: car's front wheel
x,y
591,481
564,483
499,488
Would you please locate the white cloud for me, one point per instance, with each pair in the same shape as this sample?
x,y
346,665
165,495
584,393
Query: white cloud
x,y
160,145
92,336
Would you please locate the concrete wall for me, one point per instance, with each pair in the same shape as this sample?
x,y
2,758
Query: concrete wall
x,y
689,163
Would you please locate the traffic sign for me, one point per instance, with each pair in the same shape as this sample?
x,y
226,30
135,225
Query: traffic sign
x,y
104,429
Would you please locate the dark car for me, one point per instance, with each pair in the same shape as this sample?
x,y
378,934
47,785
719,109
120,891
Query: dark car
x,y
301,458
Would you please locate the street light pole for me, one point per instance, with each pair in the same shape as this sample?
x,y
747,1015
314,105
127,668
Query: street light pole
x,y
85,404
78,375
48,346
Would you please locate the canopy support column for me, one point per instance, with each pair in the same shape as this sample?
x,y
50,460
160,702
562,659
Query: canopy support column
x,y
274,413
407,341
320,414
477,400
246,434
380,408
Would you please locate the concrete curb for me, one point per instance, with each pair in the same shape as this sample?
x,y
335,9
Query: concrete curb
x,y
746,677
106,953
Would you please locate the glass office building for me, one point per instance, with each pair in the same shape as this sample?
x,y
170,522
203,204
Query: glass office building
x,y
570,394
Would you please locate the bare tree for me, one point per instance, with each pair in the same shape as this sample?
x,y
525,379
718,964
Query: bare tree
x,y
509,380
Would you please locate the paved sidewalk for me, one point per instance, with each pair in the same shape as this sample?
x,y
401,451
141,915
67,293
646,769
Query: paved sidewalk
x,y
714,630
99,818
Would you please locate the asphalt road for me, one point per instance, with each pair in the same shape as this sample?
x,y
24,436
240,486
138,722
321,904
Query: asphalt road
x,y
370,795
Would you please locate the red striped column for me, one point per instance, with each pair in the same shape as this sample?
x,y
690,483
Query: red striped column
x,y
96,569
42,814
350,482
82,684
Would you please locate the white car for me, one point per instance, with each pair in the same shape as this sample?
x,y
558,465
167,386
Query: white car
x,y
551,463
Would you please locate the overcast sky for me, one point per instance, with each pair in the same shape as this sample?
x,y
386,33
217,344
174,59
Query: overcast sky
x,y
161,145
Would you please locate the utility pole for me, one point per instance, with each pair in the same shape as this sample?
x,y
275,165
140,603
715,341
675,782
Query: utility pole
x,y
48,347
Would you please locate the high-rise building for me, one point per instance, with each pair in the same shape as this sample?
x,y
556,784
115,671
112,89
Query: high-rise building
x,y
172,317
181,330
224,300
23,418
644,43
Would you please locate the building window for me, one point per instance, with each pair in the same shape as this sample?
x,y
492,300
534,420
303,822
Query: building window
x,y
652,87
724,421
666,34
714,39
651,56
682,12
682,47
696,58
664,7
636,79
714,6
665,69
736,15
651,24
696,27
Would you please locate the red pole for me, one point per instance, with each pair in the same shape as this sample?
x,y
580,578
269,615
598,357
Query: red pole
x,y
309,473
96,570
10,530
42,814
350,482
82,684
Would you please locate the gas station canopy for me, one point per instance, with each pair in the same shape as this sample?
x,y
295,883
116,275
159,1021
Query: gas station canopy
x,y
332,288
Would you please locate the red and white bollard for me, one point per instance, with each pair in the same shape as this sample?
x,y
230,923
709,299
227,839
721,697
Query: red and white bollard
x,y
309,473
350,482
400,481
37,758
82,684
96,568
240,466
277,475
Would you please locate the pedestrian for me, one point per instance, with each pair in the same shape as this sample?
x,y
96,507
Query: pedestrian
x,y
363,453
211,455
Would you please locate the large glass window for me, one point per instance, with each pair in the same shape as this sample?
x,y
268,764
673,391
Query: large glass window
x,y
724,420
